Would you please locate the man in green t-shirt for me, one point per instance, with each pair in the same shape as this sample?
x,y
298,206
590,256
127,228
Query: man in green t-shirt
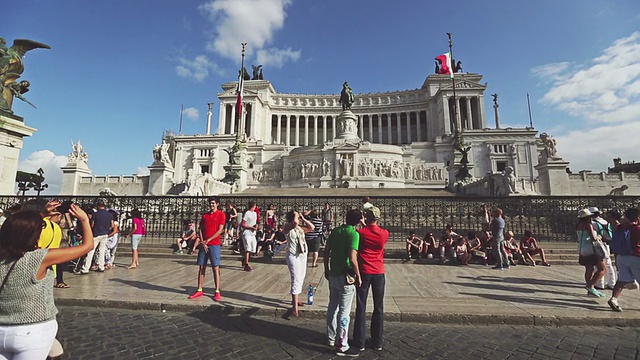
x,y
340,255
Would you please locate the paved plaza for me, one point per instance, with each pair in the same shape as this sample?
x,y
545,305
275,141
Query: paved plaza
x,y
423,293
96,333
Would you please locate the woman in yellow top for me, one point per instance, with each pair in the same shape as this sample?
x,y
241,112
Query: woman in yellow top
x,y
51,238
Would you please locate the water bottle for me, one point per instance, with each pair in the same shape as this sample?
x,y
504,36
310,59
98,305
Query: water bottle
x,y
310,295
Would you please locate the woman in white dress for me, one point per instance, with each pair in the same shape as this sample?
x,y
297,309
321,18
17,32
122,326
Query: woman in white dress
x,y
296,254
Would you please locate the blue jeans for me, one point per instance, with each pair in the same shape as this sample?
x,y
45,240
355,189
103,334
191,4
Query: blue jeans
x,y
500,252
338,311
377,283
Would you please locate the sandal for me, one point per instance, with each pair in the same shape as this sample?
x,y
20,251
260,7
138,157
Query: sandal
x,y
61,286
132,266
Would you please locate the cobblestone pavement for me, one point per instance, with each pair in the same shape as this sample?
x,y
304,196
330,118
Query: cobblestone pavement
x,y
93,333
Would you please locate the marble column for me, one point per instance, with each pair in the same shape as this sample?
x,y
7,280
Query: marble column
x,y
296,132
419,130
222,121
399,127
315,130
288,132
278,130
233,120
481,119
458,114
379,129
447,115
389,138
469,117
370,128
324,129
408,128
333,127
361,123
306,130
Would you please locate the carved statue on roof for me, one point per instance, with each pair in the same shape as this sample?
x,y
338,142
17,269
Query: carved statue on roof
x,y
549,150
11,67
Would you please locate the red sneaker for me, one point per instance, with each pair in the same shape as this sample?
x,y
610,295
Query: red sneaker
x,y
196,294
217,296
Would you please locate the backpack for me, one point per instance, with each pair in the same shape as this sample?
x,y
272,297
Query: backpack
x,y
621,242
604,231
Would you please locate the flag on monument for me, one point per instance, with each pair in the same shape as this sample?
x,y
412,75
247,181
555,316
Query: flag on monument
x,y
446,66
239,101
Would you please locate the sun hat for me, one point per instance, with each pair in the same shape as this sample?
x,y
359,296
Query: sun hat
x,y
594,210
584,213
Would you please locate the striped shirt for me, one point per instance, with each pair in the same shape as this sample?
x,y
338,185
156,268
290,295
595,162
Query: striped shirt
x,y
317,228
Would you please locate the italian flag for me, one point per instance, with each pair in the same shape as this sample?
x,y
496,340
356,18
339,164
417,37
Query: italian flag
x,y
446,66
239,101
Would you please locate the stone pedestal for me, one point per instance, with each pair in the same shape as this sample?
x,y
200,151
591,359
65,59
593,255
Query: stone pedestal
x,y
552,177
12,131
347,128
160,179
71,175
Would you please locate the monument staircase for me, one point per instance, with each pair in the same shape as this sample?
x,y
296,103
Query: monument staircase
x,y
559,253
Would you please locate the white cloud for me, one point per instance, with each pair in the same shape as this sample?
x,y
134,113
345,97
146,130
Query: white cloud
x,y
196,69
191,113
276,57
252,21
607,91
594,148
50,163
605,97
142,171
551,72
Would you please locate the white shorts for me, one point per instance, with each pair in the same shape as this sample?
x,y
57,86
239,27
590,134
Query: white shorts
x,y
249,241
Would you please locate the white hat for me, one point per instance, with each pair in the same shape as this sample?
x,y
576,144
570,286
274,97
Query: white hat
x,y
594,210
584,213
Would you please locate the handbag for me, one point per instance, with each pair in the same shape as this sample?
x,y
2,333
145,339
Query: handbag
x,y
600,249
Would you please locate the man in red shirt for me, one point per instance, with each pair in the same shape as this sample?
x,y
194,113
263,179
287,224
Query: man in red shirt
x,y
211,227
371,261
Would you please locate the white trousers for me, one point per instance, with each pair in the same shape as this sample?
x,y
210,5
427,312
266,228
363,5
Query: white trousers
x,y
27,342
298,269
99,242
609,278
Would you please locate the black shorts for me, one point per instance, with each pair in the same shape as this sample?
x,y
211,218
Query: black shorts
x,y
314,244
590,260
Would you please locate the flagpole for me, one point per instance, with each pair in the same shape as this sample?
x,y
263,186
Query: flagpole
x,y
180,127
453,85
239,117
529,106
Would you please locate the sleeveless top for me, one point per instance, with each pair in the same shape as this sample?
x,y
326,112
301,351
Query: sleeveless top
x,y
25,300
585,243
296,242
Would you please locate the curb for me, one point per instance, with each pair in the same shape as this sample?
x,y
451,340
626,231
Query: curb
x,y
422,318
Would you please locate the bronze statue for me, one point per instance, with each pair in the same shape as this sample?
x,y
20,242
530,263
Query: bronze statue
x,y
11,67
346,97
256,72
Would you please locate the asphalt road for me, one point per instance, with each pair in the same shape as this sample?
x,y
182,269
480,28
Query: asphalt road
x,y
93,333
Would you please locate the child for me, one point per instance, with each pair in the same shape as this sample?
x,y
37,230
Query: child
x,y
112,241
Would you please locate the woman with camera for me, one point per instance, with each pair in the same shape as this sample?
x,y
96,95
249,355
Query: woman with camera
x,y
27,311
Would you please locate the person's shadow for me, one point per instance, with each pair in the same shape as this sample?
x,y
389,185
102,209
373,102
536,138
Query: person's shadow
x,y
299,337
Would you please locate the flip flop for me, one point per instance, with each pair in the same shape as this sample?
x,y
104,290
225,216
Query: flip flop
x,y
300,303
61,286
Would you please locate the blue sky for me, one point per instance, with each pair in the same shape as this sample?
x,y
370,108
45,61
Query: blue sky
x,y
119,71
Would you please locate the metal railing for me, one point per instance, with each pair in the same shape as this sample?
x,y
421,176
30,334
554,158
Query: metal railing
x,y
551,218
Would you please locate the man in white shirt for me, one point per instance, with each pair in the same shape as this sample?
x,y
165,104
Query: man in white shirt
x,y
603,229
249,226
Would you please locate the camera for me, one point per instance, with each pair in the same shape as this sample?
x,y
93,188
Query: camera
x,y
65,206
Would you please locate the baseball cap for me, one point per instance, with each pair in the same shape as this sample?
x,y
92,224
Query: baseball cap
x,y
372,212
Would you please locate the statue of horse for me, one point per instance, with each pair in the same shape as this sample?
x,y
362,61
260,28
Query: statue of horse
x,y
346,97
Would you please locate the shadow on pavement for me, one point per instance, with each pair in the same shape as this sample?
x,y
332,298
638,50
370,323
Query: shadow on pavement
x,y
558,303
299,337
524,280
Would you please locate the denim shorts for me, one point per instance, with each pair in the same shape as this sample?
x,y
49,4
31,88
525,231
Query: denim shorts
x,y
135,241
213,254
628,268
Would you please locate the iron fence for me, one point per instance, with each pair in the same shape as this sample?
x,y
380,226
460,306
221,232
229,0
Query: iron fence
x,y
550,218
